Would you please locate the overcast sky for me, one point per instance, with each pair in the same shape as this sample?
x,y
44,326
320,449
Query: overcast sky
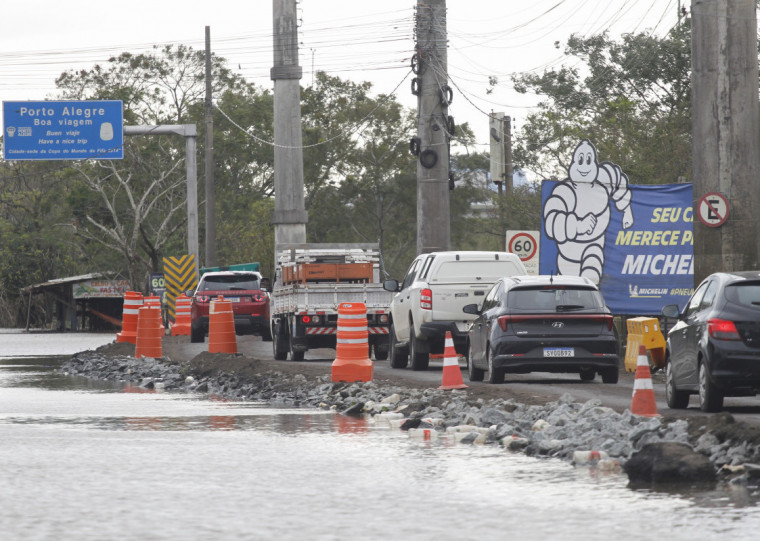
x,y
360,40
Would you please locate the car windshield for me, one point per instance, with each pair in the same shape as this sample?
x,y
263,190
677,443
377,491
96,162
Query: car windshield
x,y
226,283
554,298
746,293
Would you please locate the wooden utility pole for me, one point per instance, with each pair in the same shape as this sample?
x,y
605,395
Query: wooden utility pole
x,y
209,163
433,128
289,216
725,132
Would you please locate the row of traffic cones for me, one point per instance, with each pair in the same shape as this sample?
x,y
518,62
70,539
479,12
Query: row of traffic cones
x,y
142,324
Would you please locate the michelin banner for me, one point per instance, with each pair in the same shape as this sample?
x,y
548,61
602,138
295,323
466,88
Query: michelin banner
x,y
635,241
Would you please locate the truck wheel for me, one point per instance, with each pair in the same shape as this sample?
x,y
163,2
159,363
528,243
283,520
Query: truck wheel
x,y
295,356
197,335
280,343
419,360
399,356
380,353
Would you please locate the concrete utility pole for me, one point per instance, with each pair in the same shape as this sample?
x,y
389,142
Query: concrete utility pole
x,y
289,216
209,163
433,128
726,132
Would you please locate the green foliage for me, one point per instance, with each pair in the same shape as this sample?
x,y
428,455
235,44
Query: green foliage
x,y
630,97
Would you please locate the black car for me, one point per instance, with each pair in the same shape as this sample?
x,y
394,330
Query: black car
x,y
543,324
713,350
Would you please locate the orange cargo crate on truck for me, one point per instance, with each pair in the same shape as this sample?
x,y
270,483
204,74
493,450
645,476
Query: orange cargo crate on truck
x,y
327,272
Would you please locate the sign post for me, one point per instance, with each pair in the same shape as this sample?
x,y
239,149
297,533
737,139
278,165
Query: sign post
x,y
525,245
63,130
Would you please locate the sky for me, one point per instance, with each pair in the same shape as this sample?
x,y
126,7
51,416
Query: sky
x,y
357,40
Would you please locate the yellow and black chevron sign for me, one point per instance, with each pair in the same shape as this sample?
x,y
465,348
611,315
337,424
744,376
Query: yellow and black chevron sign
x,y
179,273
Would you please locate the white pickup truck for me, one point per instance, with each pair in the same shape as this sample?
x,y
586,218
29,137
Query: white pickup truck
x,y
429,301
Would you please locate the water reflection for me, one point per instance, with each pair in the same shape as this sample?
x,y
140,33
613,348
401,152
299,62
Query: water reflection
x,y
111,459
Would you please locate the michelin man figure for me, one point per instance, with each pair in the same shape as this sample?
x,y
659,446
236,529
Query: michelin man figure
x,y
577,212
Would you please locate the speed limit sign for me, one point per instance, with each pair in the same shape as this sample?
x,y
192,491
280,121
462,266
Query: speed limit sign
x,y
524,244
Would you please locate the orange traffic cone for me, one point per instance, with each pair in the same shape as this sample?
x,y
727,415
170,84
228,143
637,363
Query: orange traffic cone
x,y
221,327
182,317
452,374
148,343
352,362
643,402
133,300
155,300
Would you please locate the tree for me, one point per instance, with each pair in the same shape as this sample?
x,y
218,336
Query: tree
x,y
631,98
132,207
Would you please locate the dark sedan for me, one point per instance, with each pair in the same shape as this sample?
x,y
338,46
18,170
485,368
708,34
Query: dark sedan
x,y
542,324
713,350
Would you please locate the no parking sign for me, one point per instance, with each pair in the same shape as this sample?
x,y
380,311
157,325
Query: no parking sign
x,y
525,245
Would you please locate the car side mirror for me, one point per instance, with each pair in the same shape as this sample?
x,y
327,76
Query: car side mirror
x,y
471,309
265,284
671,311
189,293
390,285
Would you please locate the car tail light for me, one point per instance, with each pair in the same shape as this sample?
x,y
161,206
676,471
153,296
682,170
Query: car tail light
x,y
258,297
426,299
608,320
306,319
202,298
503,320
722,329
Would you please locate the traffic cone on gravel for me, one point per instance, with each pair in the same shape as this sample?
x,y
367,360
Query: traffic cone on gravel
x,y
221,327
452,375
643,402
352,362
149,332
133,300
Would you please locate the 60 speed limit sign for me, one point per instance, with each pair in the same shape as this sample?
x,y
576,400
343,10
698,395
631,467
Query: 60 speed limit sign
x,y
524,244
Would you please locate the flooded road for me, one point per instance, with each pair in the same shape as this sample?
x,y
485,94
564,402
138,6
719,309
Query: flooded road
x,y
87,460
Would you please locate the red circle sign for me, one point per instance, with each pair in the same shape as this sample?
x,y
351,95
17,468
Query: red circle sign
x,y
713,209
523,245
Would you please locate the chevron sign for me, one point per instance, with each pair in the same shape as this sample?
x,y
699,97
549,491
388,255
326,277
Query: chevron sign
x,y
179,273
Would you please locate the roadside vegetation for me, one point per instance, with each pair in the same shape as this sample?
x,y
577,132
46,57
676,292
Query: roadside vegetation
x,y
632,98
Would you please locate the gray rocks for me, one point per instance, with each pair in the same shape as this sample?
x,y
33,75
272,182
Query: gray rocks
x,y
559,429
668,463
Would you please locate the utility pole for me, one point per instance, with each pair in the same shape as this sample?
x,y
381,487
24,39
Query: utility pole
x,y
434,127
508,169
209,163
725,132
497,139
289,216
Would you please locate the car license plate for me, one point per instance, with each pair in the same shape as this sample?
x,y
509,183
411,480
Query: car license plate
x,y
232,299
559,352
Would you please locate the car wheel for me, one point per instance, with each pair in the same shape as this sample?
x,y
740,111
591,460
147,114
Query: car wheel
x,y
266,335
676,399
493,374
587,374
475,373
610,375
710,398
197,335
280,343
418,360
399,356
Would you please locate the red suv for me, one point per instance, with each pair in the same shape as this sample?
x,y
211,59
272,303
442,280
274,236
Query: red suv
x,y
250,303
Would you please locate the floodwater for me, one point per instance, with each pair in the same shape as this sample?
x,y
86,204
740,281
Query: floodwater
x,y
85,460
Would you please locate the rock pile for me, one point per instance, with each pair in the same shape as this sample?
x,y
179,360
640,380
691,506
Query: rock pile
x,y
585,434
